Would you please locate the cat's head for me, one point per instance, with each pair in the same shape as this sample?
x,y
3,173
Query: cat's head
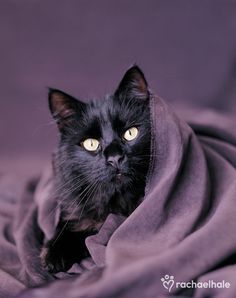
x,y
104,147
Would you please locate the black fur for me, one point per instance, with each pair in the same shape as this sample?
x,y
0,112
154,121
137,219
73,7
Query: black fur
x,y
87,184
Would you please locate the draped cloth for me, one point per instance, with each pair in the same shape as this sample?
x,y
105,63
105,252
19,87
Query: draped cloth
x,y
183,231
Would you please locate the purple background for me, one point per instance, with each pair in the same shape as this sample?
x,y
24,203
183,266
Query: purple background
x,y
187,50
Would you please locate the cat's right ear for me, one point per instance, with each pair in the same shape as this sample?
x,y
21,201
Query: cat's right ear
x,y
64,108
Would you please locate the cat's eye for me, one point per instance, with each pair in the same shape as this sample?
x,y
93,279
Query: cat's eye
x,y
90,144
131,134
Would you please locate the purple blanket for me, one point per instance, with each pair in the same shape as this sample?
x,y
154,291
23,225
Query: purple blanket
x,y
180,241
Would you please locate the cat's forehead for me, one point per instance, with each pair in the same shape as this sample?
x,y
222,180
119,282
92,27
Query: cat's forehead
x,y
105,111
101,108
110,113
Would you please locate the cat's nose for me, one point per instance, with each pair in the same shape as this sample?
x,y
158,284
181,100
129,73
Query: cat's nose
x,y
115,160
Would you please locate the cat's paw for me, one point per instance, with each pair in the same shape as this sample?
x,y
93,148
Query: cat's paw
x,y
53,261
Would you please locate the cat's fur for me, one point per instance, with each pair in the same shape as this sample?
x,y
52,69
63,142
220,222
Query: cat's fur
x,y
89,185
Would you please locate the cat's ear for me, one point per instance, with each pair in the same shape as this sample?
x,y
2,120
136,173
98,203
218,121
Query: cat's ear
x,y
64,107
133,85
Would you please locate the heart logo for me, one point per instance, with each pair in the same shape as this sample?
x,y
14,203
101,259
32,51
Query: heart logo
x,y
168,282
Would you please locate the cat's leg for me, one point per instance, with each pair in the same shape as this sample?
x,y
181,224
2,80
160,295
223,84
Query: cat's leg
x,y
63,250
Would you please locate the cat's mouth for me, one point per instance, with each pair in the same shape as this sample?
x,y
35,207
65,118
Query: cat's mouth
x,y
119,177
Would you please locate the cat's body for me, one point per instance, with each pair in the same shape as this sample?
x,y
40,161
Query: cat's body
x,y
100,165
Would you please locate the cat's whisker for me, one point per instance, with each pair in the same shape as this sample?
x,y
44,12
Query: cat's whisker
x,y
64,226
57,206
76,185
61,187
75,203
94,189
42,126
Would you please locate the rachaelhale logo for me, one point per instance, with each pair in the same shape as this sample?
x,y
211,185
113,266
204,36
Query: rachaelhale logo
x,y
168,281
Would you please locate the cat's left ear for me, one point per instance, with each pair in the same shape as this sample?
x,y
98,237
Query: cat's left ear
x,y
133,85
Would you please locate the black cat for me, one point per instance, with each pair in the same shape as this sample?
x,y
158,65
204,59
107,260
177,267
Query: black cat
x,y
100,165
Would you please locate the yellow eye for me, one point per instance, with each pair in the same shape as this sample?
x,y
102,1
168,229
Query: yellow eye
x,y
131,134
90,144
